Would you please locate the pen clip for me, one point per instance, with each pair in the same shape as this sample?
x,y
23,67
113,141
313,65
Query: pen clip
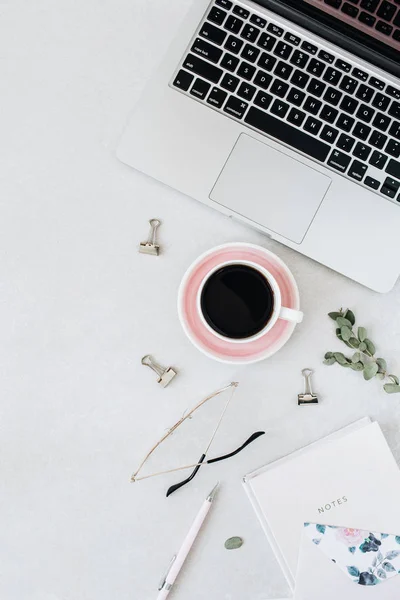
x,y
164,579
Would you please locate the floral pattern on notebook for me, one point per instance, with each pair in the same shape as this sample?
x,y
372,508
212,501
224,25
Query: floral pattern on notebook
x,y
368,558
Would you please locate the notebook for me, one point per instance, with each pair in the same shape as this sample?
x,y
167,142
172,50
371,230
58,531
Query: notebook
x,y
350,476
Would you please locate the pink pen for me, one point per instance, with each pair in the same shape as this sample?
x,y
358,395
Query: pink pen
x,y
178,560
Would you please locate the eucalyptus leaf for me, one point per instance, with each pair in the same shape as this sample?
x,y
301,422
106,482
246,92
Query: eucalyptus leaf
x,y
334,315
349,315
395,379
342,322
353,571
380,376
388,567
382,364
370,347
362,334
392,554
330,361
346,333
328,355
392,388
354,343
370,371
357,366
233,543
362,347
381,573
356,357
341,359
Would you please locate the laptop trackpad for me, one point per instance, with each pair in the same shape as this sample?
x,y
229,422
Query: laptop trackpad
x,y
270,188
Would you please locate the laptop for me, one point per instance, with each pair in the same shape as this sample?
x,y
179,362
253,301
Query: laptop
x,y
285,115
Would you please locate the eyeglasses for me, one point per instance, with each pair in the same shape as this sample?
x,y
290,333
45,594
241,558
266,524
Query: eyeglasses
x,y
202,461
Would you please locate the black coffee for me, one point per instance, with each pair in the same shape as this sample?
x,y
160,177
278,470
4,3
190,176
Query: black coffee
x,y
237,301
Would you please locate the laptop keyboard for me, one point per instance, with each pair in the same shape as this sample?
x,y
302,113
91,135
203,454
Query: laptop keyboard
x,y
257,72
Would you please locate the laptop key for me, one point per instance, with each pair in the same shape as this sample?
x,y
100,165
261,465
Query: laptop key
x,y
296,96
235,107
259,21
365,113
332,76
361,151
343,65
250,33
361,131
279,88
312,105
345,123
360,74
395,130
212,33
293,39
394,110
349,105
339,161
329,114
300,79
242,12
246,91
287,134
246,71
381,121
183,80
279,108
266,61
378,139
229,82
329,134
233,44
316,87
230,62
296,116
299,59
312,125
316,67
377,83
224,3
334,3
217,97
278,31
378,159
393,168
333,96
250,53
372,183
384,27
262,79
267,41
388,191
202,68
364,93
200,88
393,183
283,70
309,47
345,142
348,84
386,11
326,56
207,50
393,92
233,24
381,101
263,100
393,148
283,50
217,15
367,19
357,170
370,5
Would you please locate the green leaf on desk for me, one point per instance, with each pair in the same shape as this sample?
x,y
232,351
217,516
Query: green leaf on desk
x,y
370,371
359,366
334,315
382,364
330,361
395,379
370,347
346,333
362,334
234,543
342,322
354,343
341,359
349,315
362,347
392,388
356,357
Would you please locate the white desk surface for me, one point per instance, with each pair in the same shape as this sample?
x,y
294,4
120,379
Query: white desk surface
x,y
80,306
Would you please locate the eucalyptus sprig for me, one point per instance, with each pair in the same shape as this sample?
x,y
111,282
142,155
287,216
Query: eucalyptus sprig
x,y
363,358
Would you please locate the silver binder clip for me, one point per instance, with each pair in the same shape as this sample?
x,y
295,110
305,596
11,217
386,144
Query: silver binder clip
x,y
308,398
165,375
151,247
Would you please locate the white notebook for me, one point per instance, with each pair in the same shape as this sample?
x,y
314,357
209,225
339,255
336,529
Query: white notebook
x,y
349,478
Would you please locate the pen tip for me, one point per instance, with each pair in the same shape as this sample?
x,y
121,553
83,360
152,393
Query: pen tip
x,y
211,495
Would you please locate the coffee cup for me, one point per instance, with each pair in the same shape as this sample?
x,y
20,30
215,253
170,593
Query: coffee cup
x,y
240,301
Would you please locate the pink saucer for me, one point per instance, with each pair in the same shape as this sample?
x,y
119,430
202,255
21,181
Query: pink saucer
x,y
223,350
